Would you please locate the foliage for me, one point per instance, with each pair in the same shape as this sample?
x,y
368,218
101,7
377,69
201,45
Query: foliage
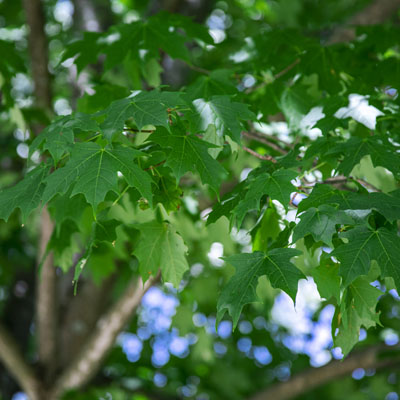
x,y
130,174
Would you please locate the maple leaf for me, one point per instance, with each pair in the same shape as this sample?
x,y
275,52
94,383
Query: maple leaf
x,y
241,288
146,108
365,245
320,223
58,137
277,186
25,195
353,150
160,247
92,170
388,204
189,153
222,112
357,309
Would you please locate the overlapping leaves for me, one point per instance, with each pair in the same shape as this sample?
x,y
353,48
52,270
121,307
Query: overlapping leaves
x,y
92,170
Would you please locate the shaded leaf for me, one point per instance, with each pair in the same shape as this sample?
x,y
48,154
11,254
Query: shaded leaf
x,y
160,247
25,195
241,288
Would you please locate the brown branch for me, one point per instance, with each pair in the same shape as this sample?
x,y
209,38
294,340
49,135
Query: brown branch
x,y
81,314
344,179
263,140
88,361
12,358
46,306
199,69
376,13
38,52
287,69
259,156
312,378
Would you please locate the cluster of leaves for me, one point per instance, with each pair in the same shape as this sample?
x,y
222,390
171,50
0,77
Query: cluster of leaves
x,y
116,172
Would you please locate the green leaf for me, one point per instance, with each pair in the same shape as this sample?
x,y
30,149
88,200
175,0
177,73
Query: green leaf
x,y
382,153
225,114
357,309
241,288
206,86
327,279
25,195
146,108
295,104
388,204
277,186
365,245
320,223
66,207
160,247
162,31
92,170
189,153
366,298
349,330
58,137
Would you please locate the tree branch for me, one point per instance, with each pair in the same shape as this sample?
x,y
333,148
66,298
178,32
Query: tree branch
x,y
263,140
46,305
376,13
259,156
38,52
89,360
312,378
16,365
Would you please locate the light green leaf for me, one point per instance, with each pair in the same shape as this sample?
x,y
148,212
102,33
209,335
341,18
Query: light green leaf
x,y
365,298
327,279
160,247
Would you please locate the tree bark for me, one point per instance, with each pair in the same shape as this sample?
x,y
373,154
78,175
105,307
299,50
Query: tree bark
x,y
315,377
16,365
46,305
98,344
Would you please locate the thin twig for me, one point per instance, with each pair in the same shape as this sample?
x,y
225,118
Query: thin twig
x,y
155,166
260,139
345,179
199,69
276,76
259,156
287,69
